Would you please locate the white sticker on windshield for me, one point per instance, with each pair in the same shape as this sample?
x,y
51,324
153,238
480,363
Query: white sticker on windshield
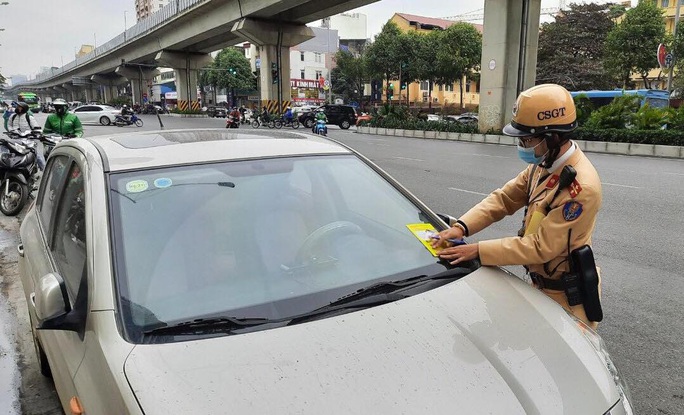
x,y
136,186
162,183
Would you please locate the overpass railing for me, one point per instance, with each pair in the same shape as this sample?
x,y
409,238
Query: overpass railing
x,y
154,21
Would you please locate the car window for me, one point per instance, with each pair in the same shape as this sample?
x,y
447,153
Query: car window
x,y
271,238
69,246
55,172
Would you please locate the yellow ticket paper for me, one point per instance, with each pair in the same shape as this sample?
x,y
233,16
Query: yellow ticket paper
x,y
425,233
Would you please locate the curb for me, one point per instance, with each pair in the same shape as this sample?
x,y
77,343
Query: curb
x,y
627,149
189,115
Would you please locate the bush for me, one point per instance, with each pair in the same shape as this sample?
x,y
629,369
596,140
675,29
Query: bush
x,y
619,135
415,124
617,114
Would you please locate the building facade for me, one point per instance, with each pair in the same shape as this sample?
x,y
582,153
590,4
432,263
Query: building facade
x,y
144,8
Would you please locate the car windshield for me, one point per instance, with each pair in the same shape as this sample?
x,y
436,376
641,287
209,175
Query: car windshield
x,y
259,238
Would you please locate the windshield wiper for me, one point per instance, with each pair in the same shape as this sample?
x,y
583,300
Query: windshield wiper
x,y
208,326
380,293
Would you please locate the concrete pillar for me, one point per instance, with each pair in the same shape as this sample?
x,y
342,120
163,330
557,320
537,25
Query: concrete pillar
x,y
139,78
509,58
185,67
59,92
70,92
272,38
109,85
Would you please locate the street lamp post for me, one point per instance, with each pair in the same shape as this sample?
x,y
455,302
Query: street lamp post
x,y
125,25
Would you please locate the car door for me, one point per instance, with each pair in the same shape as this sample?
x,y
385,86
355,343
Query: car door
x,y
334,114
62,215
87,114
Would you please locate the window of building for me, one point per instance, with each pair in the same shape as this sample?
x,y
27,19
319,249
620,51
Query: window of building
x,y
424,85
319,74
449,88
302,74
318,58
301,56
467,86
665,3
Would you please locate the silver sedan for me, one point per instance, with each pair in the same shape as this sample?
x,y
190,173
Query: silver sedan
x,y
96,114
277,273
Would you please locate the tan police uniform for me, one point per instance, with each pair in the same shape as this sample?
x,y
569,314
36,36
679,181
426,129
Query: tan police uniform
x,y
548,237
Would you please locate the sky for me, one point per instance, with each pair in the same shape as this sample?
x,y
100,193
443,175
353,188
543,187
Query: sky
x,y
44,33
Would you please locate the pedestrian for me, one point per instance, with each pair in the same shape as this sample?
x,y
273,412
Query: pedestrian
x,y
560,208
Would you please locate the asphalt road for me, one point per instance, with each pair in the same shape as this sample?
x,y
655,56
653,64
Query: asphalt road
x,y
637,244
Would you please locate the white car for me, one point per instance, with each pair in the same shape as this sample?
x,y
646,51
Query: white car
x,y
213,271
96,114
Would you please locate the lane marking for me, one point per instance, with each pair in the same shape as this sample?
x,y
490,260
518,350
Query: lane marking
x,y
408,158
674,174
468,191
489,155
620,185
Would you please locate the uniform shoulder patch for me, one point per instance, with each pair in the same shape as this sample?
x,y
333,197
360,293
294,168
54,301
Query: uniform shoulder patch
x,y
572,211
575,189
553,181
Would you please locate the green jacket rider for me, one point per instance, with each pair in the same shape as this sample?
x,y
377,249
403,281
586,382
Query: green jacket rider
x,y
320,115
62,122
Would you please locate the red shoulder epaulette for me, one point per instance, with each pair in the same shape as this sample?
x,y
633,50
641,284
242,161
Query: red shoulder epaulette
x,y
575,189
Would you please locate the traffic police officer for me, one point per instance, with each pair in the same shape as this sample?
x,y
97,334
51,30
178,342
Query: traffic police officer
x,y
559,217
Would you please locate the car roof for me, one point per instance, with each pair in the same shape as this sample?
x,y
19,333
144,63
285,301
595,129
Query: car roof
x,y
132,151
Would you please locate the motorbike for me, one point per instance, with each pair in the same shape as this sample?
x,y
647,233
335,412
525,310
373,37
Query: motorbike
x,y
320,128
272,122
17,171
231,122
121,121
294,122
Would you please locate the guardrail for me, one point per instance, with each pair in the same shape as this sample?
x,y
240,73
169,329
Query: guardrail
x,y
154,21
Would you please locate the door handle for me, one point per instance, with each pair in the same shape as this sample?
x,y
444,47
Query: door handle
x,y
20,249
32,296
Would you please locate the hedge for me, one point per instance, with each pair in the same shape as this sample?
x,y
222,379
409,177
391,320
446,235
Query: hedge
x,y
611,135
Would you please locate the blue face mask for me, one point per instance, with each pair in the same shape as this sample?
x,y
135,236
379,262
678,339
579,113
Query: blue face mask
x,y
527,155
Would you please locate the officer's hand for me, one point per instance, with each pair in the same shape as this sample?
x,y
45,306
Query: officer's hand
x,y
460,253
451,233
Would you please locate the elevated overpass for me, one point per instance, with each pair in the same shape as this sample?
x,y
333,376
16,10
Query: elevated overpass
x,y
183,33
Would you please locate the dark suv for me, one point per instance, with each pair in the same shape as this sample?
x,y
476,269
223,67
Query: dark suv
x,y
342,115
217,112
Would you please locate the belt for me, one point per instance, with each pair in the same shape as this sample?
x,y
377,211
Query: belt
x,y
547,283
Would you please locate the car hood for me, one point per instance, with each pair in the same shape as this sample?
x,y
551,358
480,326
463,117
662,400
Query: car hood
x,y
487,343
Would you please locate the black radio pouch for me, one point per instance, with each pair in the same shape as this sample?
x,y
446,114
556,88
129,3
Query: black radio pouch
x,y
582,264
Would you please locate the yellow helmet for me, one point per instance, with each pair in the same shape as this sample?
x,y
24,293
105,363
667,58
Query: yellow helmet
x,y
542,109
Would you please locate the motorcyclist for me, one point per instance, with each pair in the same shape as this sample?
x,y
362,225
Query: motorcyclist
x,y
320,116
62,121
289,115
22,120
8,113
126,113
235,115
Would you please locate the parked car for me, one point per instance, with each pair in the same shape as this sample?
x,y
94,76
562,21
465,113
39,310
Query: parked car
x,y
342,115
302,283
217,112
96,114
465,118
434,117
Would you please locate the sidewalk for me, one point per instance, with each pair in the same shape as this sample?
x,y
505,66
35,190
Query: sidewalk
x,y
628,149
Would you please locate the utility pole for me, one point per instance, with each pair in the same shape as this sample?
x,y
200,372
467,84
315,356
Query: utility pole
x,y
674,57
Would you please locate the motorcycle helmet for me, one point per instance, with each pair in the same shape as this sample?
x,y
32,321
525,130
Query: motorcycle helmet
x,y
21,108
546,111
60,105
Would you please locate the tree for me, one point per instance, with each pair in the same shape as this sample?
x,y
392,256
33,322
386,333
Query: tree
x,y
385,54
571,49
459,53
349,76
230,70
630,45
2,82
421,64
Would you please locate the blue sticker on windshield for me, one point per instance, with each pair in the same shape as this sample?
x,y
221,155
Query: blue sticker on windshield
x,y
163,183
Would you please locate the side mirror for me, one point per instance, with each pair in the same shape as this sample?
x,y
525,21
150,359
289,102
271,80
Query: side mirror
x,y
51,298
